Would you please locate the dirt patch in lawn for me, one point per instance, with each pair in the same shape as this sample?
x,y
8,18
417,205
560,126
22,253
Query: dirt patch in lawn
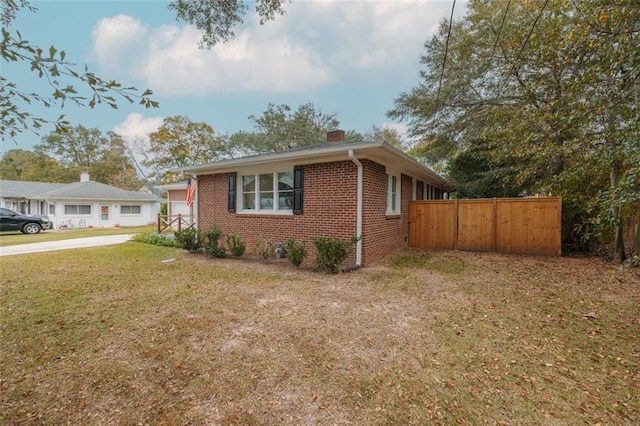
x,y
120,337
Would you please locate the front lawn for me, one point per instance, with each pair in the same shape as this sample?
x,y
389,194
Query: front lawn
x,y
139,334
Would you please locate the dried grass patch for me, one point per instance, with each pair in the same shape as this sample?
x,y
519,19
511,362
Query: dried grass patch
x,y
115,336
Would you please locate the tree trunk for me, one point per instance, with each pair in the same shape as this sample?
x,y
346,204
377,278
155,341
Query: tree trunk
x,y
618,236
635,249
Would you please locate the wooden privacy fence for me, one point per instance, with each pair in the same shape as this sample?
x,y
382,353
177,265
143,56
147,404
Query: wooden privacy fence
x,y
504,225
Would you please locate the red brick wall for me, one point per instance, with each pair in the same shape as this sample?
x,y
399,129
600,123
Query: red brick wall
x,y
329,211
382,234
329,200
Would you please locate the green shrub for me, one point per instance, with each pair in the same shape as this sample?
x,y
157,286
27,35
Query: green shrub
x,y
264,249
189,239
210,242
331,252
296,252
236,245
155,239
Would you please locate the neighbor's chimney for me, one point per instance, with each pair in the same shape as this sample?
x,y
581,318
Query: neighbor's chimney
x,y
335,136
84,177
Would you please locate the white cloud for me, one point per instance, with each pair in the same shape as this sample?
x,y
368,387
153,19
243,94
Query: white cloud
x,y
137,126
135,131
314,44
118,43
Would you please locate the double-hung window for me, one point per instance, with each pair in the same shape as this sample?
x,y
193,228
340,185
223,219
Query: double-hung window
x,y
393,194
77,209
131,209
267,192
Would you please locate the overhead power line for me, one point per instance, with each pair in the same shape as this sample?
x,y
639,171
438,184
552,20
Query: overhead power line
x,y
495,44
446,51
526,40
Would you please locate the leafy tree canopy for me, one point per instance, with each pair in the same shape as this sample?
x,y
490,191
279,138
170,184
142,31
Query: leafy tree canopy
x,y
180,142
549,87
80,149
23,165
280,128
217,19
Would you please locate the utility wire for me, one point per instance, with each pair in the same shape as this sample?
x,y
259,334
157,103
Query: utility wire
x,y
526,40
495,47
446,51
495,44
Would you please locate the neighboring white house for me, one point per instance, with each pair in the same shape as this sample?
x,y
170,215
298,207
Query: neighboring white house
x,y
80,204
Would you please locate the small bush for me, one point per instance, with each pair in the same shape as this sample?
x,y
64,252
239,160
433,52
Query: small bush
x,y
264,249
211,245
331,252
189,239
295,252
155,239
236,245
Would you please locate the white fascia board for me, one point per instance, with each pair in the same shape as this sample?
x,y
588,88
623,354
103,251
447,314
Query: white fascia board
x,y
380,152
322,154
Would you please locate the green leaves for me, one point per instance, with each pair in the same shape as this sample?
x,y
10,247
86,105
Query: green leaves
x,y
218,19
539,90
64,78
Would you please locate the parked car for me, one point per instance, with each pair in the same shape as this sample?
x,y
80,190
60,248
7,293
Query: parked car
x,y
25,223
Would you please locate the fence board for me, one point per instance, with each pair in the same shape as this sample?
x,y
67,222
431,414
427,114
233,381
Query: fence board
x,y
529,226
432,224
505,225
476,225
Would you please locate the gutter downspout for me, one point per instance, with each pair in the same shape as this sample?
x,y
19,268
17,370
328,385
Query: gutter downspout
x,y
358,209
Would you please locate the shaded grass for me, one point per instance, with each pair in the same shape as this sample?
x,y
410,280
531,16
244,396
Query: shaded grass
x,y
118,335
15,238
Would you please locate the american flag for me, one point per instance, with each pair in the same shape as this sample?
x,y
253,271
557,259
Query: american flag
x,y
191,190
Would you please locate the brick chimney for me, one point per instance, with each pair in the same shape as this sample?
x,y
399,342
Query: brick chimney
x,y
335,136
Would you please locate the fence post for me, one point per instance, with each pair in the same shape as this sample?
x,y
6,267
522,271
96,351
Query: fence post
x,y
456,218
494,231
179,222
159,219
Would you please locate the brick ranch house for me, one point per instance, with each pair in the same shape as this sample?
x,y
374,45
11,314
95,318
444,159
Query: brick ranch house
x,y
338,189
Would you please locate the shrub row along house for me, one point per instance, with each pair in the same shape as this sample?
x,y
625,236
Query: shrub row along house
x,y
338,189
80,204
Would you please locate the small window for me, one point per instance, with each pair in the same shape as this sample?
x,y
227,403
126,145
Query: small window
x,y
249,192
130,209
266,191
285,190
393,194
79,209
52,209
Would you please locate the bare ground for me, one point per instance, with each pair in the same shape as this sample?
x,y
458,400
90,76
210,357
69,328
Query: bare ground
x,y
422,338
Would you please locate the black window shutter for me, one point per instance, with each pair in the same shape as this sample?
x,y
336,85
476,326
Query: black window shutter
x,y
231,197
298,178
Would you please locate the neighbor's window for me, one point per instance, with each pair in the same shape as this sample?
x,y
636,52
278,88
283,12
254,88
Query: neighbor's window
x,y
267,192
52,209
130,209
77,209
393,194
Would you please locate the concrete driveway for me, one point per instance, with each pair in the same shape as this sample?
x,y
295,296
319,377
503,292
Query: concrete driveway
x,y
65,244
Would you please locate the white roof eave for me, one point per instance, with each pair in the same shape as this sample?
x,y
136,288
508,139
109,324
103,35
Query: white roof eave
x,y
379,152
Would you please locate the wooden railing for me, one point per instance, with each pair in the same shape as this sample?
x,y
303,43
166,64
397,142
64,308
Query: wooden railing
x,y
174,223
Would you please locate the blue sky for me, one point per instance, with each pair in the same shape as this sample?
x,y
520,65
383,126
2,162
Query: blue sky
x,y
351,58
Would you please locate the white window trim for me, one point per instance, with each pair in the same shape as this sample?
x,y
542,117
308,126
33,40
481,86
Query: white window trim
x,y
77,214
398,197
131,214
276,200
